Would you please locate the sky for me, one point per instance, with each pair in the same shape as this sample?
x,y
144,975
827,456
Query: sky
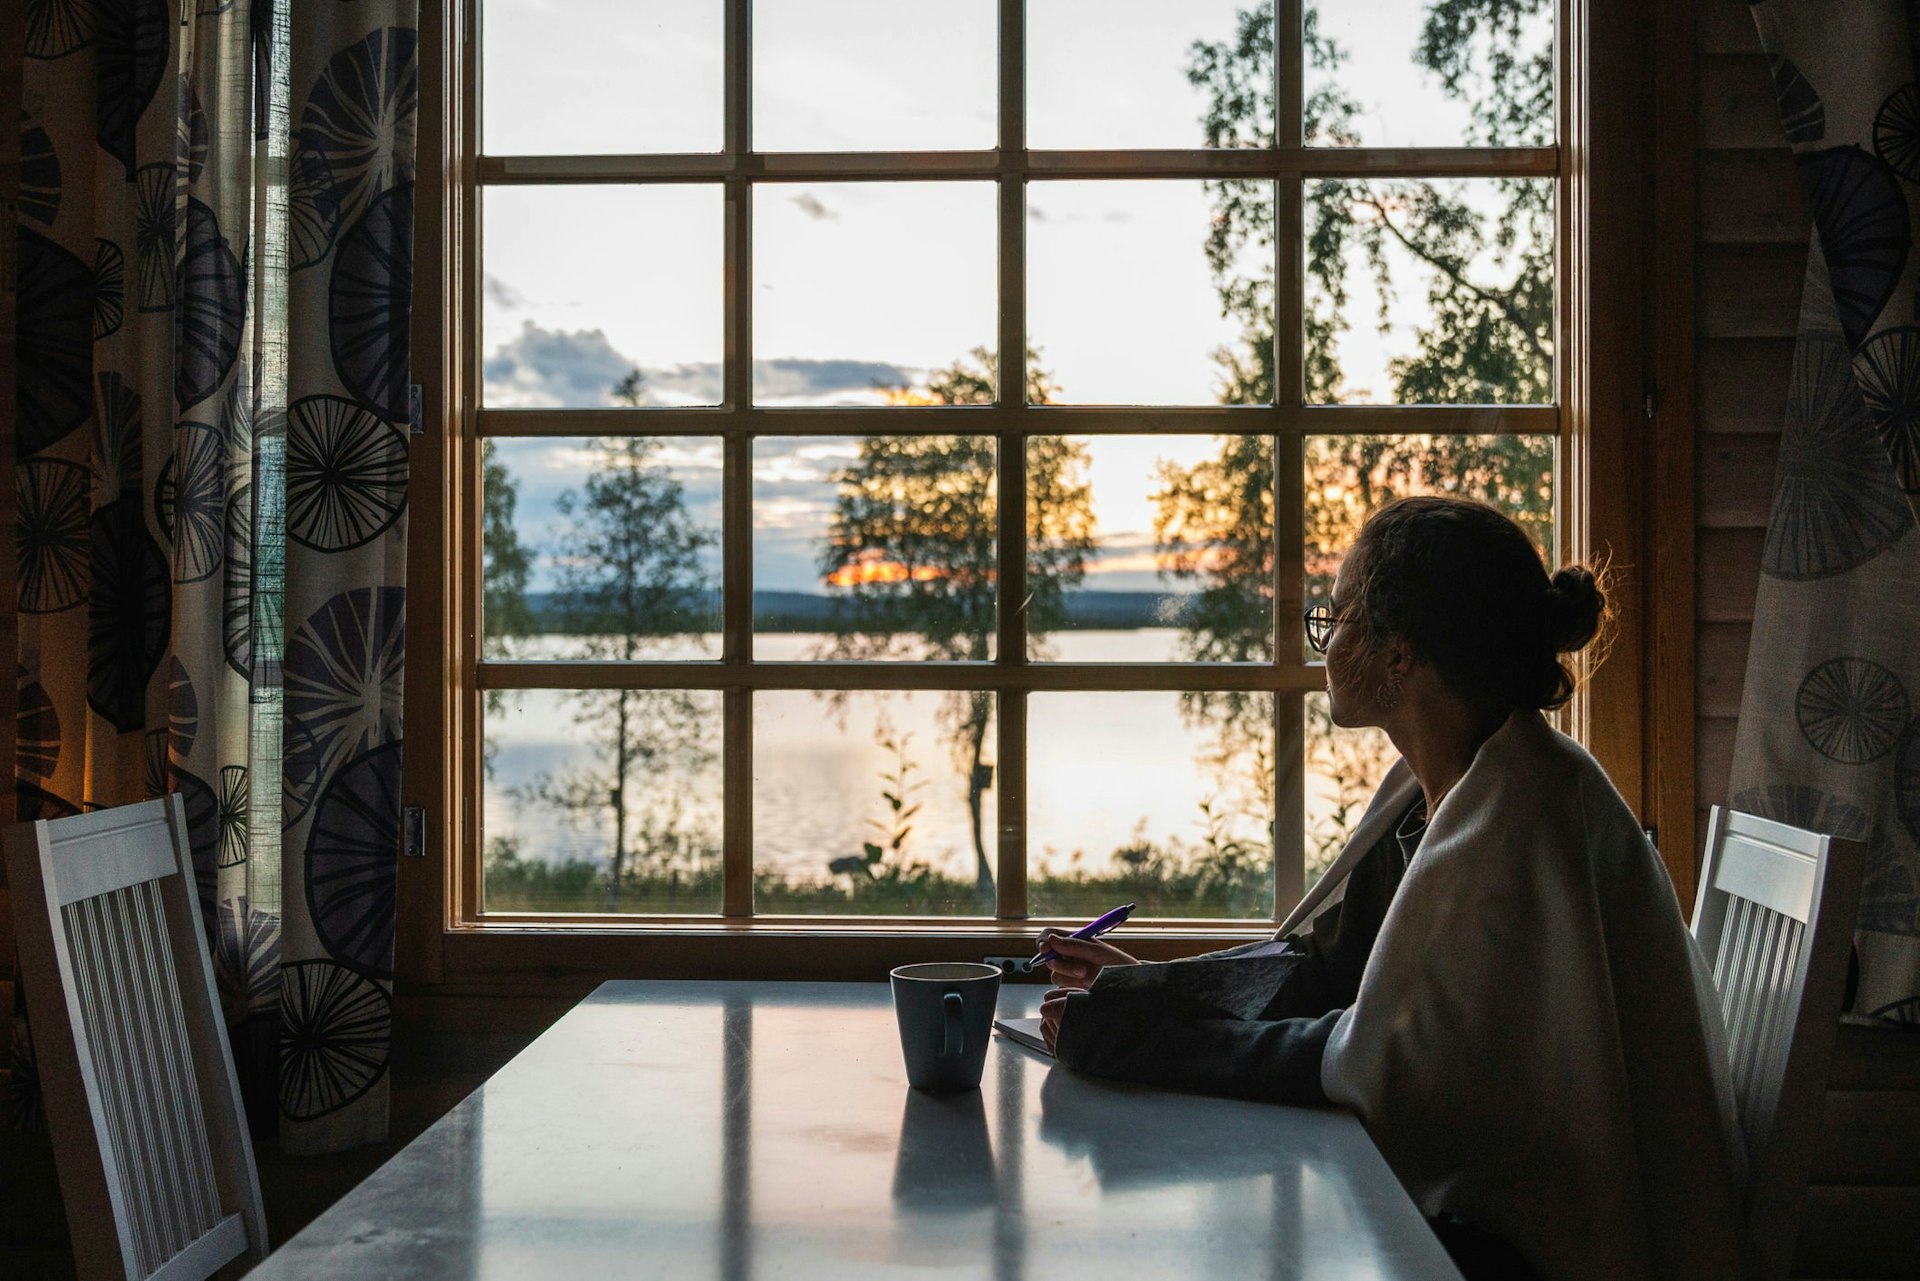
x,y
858,284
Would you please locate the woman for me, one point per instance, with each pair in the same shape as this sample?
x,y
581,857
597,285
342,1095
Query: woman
x,y
1494,975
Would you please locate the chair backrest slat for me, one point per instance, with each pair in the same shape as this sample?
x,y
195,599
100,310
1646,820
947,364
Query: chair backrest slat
x,y
1736,966
1774,918
186,1140
1777,878
133,1024
178,1054
110,853
152,1087
101,1051
119,1039
153,1154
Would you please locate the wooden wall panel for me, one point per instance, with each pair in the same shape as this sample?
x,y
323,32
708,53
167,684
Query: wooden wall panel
x,y
1736,102
1726,573
12,35
1722,667
1748,291
1724,28
1735,480
1667,452
1713,754
1750,198
1750,229
1743,384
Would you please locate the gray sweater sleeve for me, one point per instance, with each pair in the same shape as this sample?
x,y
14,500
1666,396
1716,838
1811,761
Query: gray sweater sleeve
x,y
1156,1039
1193,1028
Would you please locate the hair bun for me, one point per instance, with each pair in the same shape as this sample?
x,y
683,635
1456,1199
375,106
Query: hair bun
x,y
1576,603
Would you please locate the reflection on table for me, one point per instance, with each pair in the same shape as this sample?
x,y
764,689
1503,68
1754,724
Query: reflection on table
x,y
739,1130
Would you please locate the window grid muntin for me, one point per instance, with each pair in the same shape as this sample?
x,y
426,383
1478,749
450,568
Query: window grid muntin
x,y
738,422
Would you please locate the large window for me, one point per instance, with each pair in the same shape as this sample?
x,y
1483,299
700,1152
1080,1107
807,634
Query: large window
x,y
906,434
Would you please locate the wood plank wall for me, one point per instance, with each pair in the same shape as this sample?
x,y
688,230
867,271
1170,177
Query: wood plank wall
x,y
12,38
1862,1214
1750,247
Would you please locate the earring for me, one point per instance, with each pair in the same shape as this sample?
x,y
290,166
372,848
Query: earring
x,y
1389,693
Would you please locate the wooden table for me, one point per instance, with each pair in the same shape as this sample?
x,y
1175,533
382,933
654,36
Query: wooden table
x,y
739,1130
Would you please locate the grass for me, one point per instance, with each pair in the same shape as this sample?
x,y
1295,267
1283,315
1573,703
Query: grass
x,y
1236,884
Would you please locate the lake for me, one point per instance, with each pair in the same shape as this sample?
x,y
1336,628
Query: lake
x,y
1105,770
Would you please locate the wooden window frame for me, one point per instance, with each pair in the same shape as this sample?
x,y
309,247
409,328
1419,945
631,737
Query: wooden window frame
x,y
1612,447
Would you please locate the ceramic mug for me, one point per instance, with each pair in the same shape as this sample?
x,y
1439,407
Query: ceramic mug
x,y
945,1012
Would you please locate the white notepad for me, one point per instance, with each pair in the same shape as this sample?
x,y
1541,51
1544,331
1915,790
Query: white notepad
x,y
1025,1031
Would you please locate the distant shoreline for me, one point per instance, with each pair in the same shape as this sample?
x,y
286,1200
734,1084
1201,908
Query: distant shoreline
x,y
813,612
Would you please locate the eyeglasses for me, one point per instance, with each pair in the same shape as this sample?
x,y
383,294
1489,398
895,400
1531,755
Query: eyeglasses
x,y
1319,621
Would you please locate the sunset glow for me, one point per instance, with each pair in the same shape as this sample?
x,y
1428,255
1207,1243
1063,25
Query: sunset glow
x,y
870,567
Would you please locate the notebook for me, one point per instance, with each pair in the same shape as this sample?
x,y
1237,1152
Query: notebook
x,y
1024,1031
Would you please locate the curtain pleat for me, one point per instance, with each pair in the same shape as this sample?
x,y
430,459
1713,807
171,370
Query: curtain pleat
x,y
215,244
1829,733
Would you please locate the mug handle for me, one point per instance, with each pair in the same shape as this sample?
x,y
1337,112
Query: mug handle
x,y
954,1043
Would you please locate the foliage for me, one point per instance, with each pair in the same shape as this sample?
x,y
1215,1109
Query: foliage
x,y
912,553
1485,343
887,860
516,884
1168,881
1481,343
628,557
1471,45
1352,761
505,566
1350,476
506,561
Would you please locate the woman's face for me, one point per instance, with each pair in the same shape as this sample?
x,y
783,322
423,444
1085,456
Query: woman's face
x,y
1349,666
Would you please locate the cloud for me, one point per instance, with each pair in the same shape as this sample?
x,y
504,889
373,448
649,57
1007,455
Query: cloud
x,y
502,294
790,380
809,204
576,369
1122,551
551,368
693,383
1036,214
799,461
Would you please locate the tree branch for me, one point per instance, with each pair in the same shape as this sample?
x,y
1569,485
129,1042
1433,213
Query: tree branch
x,y
1498,300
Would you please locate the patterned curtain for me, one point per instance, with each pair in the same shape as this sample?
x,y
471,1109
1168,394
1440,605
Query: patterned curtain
x,y
1829,733
215,275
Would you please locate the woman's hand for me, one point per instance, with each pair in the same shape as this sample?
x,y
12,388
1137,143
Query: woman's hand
x,y
1052,1008
1077,962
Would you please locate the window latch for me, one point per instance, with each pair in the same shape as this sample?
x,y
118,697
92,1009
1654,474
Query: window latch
x,y
413,831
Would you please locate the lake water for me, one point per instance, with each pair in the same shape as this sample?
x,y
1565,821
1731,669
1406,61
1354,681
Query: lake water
x,y
1105,771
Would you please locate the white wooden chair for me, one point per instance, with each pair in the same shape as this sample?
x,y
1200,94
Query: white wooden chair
x,y
151,1143
1775,921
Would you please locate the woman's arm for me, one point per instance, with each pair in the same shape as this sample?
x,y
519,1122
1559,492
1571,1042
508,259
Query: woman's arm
x,y
1151,1039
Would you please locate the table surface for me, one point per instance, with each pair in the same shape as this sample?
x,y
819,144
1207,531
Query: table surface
x,y
742,1130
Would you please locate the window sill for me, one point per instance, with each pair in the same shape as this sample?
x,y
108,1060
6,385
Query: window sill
x,y
541,952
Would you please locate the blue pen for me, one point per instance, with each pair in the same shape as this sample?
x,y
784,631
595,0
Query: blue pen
x,y
1093,929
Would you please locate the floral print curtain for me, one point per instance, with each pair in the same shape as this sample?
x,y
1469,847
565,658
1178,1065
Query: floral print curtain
x,y
1829,733
215,277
